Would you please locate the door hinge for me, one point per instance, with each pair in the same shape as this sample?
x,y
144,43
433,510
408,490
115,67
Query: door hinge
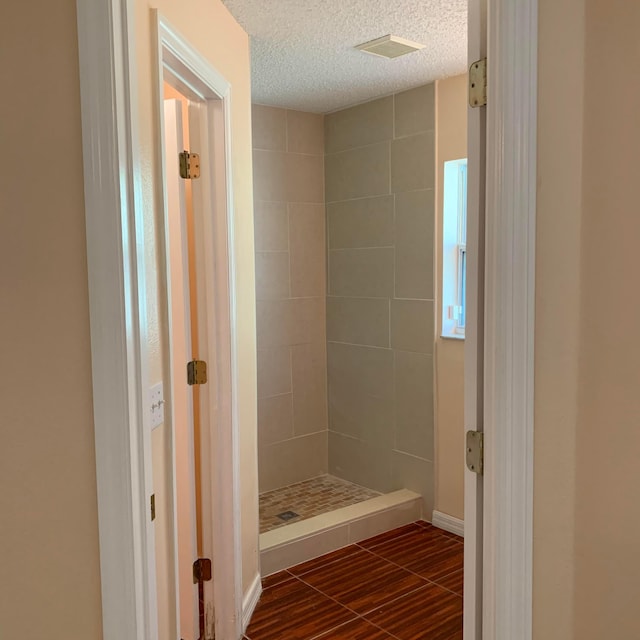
x,y
475,452
478,83
189,165
201,570
197,372
153,506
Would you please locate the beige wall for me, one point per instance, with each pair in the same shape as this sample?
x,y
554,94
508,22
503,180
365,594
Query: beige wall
x,y
49,559
288,149
380,211
607,514
451,144
214,33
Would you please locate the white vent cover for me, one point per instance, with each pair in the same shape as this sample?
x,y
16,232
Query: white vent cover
x,y
389,47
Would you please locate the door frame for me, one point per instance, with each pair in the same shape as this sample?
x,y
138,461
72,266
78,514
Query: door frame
x,y
117,281
115,237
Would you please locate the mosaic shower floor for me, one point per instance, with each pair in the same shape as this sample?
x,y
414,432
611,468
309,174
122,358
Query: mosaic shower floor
x,y
307,499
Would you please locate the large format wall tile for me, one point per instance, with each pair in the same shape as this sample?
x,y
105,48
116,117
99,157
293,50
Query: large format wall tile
x,y
269,127
274,372
309,375
415,474
358,321
360,125
414,111
290,322
367,222
414,234
305,132
358,173
307,241
414,403
275,416
413,163
290,461
365,273
272,275
412,325
270,221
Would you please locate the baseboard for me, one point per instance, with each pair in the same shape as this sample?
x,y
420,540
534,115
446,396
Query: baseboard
x,y
250,601
448,523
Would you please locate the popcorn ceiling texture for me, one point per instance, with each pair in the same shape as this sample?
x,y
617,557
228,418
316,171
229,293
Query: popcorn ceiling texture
x,y
303,56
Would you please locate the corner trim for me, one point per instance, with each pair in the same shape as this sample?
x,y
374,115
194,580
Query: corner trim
x,y
250,601
448,523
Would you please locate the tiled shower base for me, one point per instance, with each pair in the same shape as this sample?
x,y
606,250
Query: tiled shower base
x,y
329,514
307,499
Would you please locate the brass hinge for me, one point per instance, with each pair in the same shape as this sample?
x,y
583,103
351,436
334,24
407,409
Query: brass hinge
x,y
197,372
201,570
153,507
189,165
475,452
478,83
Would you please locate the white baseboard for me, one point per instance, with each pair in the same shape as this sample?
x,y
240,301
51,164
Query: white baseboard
x,y
250,601
448,523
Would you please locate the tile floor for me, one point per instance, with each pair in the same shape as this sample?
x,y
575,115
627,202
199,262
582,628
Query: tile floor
x,y
309,498
405,584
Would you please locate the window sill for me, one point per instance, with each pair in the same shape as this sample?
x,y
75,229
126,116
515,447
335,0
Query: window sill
x,y
452,337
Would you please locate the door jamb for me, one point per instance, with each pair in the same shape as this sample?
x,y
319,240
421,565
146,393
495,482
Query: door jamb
x,y
509,329
116,274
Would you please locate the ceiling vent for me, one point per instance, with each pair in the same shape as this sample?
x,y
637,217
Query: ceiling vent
x,y
390,47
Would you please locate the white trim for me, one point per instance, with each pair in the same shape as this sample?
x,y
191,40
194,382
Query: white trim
x,y
448,523
250,601
116,274
195,77
509,319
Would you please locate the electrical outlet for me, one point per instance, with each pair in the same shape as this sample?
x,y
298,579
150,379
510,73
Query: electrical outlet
x,y
156,405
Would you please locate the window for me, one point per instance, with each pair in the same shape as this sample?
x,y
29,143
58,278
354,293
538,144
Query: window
x,y
454,249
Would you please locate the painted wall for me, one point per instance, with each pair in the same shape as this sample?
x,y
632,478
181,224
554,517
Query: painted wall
x,y
288,151
451,144
49,558
379,168
607,511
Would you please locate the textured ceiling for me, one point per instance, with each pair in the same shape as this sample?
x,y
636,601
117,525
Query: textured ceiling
x,y
302,53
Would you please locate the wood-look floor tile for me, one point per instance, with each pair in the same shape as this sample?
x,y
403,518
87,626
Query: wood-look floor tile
x,y
363,581
323,561
453,536
430,613
425,552
454,582
357,630
388,535
276,578
295,611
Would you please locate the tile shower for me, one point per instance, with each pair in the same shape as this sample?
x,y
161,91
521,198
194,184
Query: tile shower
x,y
344,218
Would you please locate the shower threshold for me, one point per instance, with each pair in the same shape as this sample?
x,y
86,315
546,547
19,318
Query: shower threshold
x,y
304,539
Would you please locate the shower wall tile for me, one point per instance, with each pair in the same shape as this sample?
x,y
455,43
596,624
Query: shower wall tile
x,y
292,460
274,372
367,222
290,245
414,111
271,227
269,127
360,462
358,321
380,176
414,404
360,125
414,234
365,370
365,273
412,325
275,416
272,275
359,415
413,163
307,241
358,173
305,132
289,322
309,376
415,474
